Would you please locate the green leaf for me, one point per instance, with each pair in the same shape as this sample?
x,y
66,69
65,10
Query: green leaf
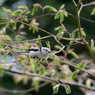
x,y
4,55
65,14
93,11
6,10
34,30
68,90
80,65
62,6
36,82
73,35
73,75
61,17
92,44
25,80
15,13
74,54
23,12
17,79
2,72
83,33
34,10
8,37
51,8
39,40
22,7
14,26
42,71
58,47
57,16
56,88
29,46
4,29
22,25
28,58
88,83
58,28
17,37
48,44
53,58
10,67
52,76
34,66
26,44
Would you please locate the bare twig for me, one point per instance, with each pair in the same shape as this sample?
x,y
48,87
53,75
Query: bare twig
x,y
23,91
48,79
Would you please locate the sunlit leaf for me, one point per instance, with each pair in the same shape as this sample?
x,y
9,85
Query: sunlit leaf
x,y
23,12
74,54
29,46
35,8
18,79
39,40
62,6
52,76
83,33
58,47
93,11
58,28
22,7
28,58
6,10
88,83
35,82
7,37
50,8
66,15
4,55
2,72
42,71
73,75
25,80
18,38
34,66
80,65
56,88
16,12
61,17
48,44
57,16
14,26
68,89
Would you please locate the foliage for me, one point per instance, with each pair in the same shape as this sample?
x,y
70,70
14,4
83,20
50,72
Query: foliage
x,y
58,66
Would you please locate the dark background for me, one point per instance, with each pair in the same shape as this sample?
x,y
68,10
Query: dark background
x,y
48,23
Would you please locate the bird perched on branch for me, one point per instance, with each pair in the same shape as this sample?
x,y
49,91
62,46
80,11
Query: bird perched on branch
x,y
41,53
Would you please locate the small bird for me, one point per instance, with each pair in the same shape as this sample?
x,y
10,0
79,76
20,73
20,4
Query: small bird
x,y
41,53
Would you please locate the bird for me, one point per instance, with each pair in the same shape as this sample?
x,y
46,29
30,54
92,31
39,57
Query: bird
x,y
40,53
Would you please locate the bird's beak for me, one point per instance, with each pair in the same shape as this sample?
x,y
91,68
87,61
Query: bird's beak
x,y
49,52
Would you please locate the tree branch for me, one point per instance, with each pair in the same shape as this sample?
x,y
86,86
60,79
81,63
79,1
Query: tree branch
x,y
48,79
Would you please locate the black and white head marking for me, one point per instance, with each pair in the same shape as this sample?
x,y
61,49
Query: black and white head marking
x,y
33,49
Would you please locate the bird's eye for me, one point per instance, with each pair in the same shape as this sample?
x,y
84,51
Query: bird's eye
x,y
46,50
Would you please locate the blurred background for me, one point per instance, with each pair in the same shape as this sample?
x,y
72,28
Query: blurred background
x,y
49,23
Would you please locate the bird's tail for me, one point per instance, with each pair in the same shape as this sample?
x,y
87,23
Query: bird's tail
x,y
25,53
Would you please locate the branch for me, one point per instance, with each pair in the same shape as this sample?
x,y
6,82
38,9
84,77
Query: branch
x,y
22,91
48,79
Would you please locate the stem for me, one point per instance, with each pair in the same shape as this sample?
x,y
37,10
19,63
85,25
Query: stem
x,y
78,21
90,51
79,26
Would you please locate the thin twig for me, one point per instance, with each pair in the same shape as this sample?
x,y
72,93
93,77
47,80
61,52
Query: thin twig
x,y
49,79
23,91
